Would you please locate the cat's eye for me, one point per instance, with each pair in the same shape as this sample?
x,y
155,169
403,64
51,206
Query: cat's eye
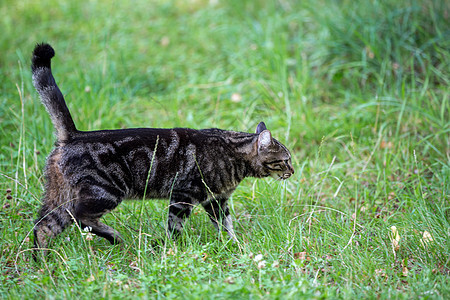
x,y
277,165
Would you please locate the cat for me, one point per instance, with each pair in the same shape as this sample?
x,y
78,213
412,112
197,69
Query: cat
x,y
88,173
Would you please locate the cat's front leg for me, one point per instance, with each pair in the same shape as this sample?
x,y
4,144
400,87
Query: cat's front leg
x,y
179,210
227,223
218,212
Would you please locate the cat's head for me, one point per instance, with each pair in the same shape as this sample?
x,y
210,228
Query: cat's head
x,y
273,158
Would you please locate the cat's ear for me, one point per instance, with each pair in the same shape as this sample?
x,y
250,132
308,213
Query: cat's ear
x,y
261,127
264,140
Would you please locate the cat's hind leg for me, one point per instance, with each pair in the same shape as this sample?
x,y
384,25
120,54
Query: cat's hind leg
x,y
57,203
101,229
93,203
51,222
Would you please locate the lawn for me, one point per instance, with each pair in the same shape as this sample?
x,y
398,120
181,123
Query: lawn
x,y
357,90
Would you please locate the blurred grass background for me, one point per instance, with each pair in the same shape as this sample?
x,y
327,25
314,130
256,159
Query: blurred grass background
x,y
358,90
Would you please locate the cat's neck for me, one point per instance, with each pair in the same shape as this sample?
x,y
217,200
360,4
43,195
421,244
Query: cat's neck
x,y
244,145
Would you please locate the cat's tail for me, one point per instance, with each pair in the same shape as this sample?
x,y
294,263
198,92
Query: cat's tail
x,y
49,92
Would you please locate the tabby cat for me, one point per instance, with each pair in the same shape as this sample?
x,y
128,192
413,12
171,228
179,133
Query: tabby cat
x,y
88,173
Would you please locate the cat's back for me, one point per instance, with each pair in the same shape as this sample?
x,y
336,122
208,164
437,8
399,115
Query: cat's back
x,y
126,149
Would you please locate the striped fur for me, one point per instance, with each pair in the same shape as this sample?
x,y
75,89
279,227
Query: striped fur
x,y
89,173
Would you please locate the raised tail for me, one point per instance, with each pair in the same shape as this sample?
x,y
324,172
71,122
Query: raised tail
x,y
49,92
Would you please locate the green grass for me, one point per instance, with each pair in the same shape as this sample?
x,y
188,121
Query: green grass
x,y
358,90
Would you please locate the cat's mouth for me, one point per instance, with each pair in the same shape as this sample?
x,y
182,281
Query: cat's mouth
x,y
286,175
282,176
